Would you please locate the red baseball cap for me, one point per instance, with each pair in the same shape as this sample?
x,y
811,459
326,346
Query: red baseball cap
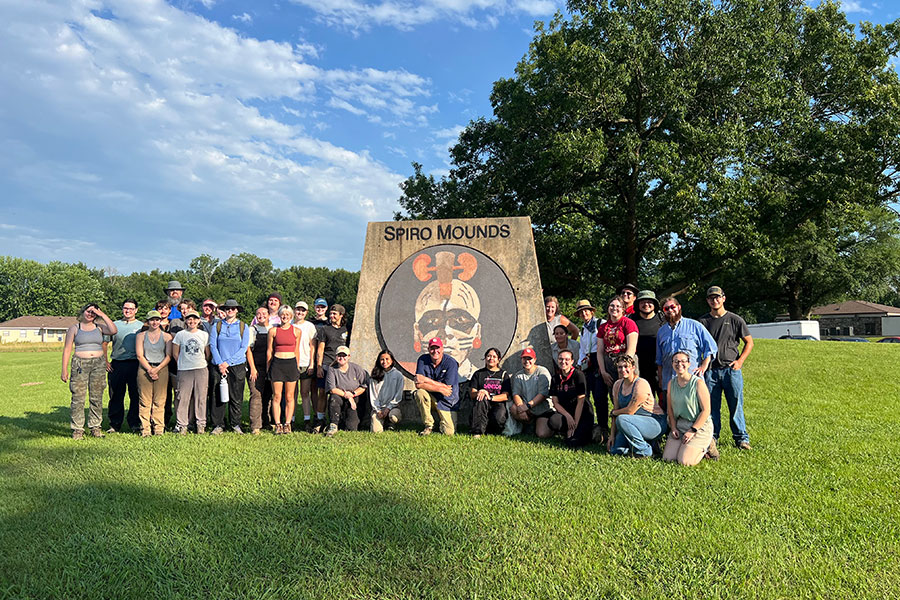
x,y
435,342
529,352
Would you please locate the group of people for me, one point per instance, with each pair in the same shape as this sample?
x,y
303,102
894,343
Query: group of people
x,y
641,375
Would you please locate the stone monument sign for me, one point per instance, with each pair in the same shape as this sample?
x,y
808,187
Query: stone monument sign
x,y
474,283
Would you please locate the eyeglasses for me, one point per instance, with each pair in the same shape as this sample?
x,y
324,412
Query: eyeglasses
x,y
230,309
670,307
627,293
129,308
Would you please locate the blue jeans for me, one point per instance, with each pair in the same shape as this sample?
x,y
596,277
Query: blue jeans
x,y
731,382
635,432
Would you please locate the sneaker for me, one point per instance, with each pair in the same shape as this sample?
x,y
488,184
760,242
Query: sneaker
x,y
279,428
426,431
712,453
97,432
145,434
744,446
477,436
217,431
112,430
308,426
286,429
201,429
254,432
332,429
159,432
180,431
77,434
237,429
319,426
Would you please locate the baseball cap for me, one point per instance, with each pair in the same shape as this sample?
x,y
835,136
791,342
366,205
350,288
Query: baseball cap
x,y
342,350
528,352
320,302
714,290
302,304
435,342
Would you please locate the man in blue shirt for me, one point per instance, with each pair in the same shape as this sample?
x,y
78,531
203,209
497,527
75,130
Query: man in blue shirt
x,y
437,388
174,292
228,342
680,334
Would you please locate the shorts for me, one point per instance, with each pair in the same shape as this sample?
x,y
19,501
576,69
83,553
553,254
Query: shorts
x,y
284,369
321,380
305,372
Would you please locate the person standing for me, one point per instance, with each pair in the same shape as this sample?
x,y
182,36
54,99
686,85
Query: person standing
x,y
724,373
329,338
153,348
616,336
174,292
282,360
680,334
260,387
190,350
437,388
319,394
588,363
306,360
209,310
228,342
554,318
628,293
123,368
649,319
85,339
562,342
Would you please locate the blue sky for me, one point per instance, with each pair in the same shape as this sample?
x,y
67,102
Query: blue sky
x,y
138,134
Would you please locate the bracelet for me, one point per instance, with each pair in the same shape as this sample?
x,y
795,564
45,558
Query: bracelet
x,y
694,429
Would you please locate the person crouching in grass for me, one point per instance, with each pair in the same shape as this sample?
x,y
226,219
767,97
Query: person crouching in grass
x,y
345,382
689,414
638,420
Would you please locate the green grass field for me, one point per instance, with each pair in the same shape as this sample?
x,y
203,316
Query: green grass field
x,y
812,512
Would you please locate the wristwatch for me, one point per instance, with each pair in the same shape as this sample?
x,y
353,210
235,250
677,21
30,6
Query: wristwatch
x,y
694,429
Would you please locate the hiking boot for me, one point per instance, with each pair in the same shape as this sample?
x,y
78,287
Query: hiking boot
x,y
237,429
426,431
308,426
201,429
279,428
286,429
332,429
744,446
217,431
712,453
319,427
78,434
254,431
97,432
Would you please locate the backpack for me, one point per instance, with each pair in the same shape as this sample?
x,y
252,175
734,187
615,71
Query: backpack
x,y
219,327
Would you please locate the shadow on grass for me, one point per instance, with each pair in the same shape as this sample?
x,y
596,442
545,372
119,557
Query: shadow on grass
x,y
40,424
116,540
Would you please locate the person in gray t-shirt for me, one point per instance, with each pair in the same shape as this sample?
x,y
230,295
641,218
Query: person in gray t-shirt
x,y
344,383
531,395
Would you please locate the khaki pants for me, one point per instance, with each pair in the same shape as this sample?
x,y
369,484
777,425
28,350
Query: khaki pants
x,y
426,401
152,405
393,417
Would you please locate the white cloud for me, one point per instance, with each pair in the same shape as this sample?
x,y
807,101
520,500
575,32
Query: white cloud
x,y
406,14
153,121
243,17
851,6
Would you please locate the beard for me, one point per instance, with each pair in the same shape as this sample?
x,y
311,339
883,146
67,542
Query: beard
x,y
673,317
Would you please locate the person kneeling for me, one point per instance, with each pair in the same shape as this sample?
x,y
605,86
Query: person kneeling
x,y
573,419
489,390
345,382
689,414
437,388
638,420
531,395
385,392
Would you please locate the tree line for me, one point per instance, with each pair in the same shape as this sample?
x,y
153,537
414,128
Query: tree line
x,y
28,287
753,144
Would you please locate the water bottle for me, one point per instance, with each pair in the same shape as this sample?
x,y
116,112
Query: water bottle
x,y
223,389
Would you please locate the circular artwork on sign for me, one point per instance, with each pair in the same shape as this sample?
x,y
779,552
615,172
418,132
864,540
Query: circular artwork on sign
x,y
451,292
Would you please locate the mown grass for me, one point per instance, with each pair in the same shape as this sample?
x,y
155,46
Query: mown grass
x,y
811,512
31,347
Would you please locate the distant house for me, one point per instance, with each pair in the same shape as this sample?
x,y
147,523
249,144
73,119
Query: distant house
x,y
35,329
853,317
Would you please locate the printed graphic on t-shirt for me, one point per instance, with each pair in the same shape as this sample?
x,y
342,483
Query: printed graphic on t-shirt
x,y
493,386
614,338
192,347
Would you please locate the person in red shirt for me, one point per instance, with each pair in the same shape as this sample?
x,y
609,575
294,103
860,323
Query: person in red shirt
x,y
617,335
